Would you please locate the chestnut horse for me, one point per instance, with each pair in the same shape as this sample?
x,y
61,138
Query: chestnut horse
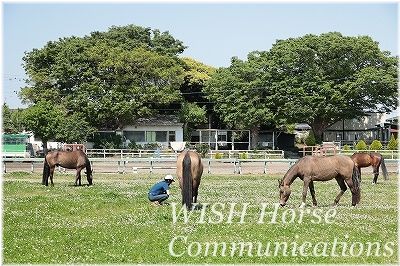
x,y
67,159
312,168
189,169
374,159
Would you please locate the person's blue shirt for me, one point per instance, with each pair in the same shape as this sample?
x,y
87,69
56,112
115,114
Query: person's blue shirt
x,y
159,188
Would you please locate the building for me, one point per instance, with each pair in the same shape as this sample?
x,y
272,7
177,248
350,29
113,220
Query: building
x,y
160,129
367,128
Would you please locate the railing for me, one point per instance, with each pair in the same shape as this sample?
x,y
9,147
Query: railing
x,y
127,153
387,154
132,165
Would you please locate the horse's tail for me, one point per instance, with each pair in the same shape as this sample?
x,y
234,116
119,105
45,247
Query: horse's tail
x,y
356,192
89,171
384,169
46,171
187,196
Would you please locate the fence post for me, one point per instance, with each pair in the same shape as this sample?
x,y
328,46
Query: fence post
x,y
265,167
4,167
32,167
151,166
209,166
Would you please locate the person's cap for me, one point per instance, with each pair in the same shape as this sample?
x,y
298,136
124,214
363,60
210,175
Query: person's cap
x,y
169,177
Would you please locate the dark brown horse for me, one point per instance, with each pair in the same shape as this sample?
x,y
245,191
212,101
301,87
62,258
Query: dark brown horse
x,y
67,159
312,168
189,169
374,159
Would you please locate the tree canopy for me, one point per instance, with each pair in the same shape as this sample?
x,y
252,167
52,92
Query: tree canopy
x,y
108,78
316,79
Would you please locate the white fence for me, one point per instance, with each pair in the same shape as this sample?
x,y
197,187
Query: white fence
x,y
162,165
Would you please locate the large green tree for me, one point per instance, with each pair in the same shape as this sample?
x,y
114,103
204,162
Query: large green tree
x,y
107,79
238,93
317,79
12,120
323,79
195,106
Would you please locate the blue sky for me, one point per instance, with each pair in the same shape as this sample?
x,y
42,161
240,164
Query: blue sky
x,y
213,32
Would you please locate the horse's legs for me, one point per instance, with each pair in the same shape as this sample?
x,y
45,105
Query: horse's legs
x,y
305,188
195,193
78,177
343,189
354,193
51,176
359,169
376,173
312,191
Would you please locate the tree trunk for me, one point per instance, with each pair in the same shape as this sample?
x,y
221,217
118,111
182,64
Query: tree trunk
x,y
44,147
318,128
254,132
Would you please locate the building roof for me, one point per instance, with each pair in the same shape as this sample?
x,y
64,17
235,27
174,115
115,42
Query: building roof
x,y
159,120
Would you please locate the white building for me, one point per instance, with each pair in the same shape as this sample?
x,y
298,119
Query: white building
x,y
161,129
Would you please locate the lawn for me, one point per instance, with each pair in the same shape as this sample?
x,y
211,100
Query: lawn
x,y
113,222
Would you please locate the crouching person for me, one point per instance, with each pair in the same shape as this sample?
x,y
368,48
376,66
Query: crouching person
x,y
159,192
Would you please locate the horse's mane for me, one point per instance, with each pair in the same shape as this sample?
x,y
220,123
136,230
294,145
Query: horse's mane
x,y
292,173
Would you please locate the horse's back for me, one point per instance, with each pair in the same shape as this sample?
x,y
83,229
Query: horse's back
x,y
195,164
323,168
364,159
67,159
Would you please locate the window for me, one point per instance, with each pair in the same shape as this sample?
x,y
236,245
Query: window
x,y
161,136
156,136
150,136
135,136
222,136
171,136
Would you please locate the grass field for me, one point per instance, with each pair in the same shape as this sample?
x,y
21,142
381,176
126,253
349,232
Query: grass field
x,y
113,222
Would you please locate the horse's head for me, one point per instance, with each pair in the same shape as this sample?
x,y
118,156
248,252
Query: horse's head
x,y
284,193
89,175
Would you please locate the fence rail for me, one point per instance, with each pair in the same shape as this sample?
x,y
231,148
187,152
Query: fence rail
x,y
133,165
127,153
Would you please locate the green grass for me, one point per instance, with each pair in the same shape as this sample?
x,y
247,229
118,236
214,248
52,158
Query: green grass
x,y
113,222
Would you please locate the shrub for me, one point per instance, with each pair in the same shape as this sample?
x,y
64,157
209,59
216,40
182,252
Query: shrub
x,y
346,147
361,145
243,155
393,143
219,155
202,149
310,140
376,145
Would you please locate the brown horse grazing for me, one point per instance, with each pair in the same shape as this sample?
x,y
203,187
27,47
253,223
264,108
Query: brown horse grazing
x,y
189,169
374,159
312,168
67,159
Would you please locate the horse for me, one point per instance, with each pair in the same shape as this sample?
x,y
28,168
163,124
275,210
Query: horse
x,y
189,169
374,159
68,159
312,168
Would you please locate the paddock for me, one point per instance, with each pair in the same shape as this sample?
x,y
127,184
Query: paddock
x,y
113,222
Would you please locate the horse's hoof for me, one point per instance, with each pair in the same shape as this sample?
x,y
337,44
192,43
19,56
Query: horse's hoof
x,y
302,205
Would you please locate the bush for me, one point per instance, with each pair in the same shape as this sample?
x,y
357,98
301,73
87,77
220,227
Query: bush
x,y
361,145
310,140
243,155
218,155
376,145
346,147
393,143
202,149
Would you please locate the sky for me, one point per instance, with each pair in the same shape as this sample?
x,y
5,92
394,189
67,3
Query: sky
x,y
213,33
